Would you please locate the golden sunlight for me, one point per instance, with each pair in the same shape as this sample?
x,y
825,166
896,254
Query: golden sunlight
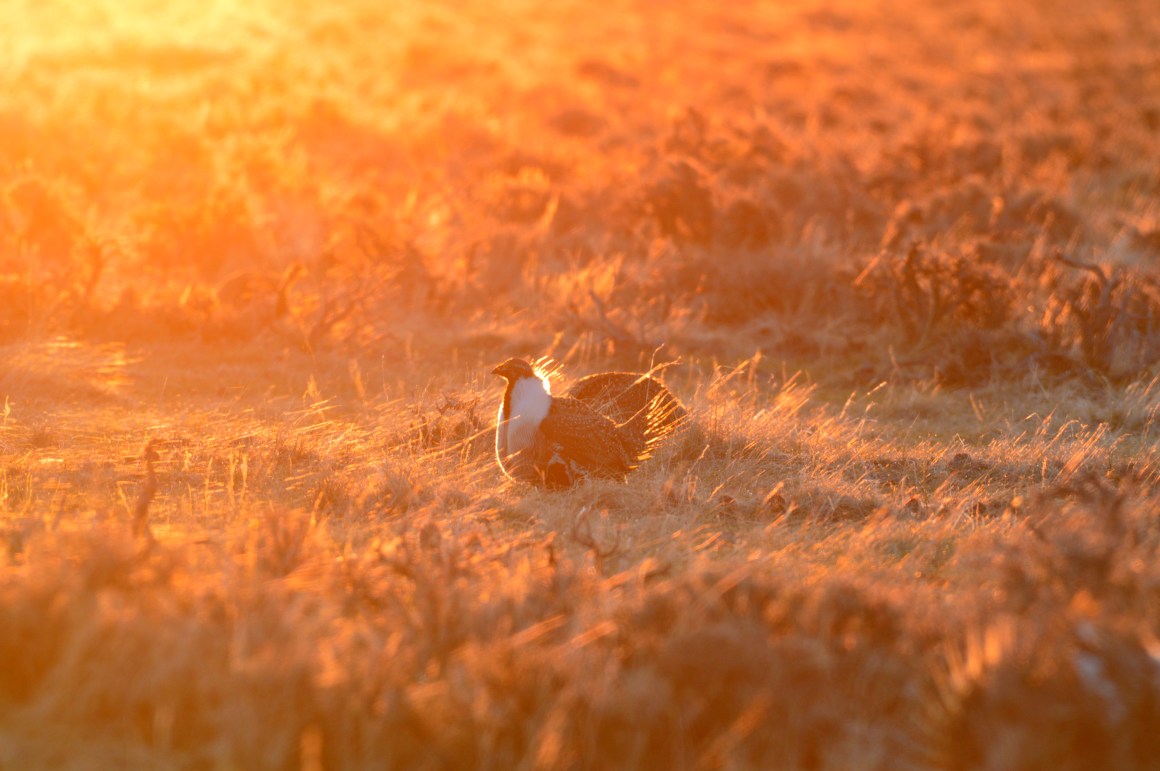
x,y
850,453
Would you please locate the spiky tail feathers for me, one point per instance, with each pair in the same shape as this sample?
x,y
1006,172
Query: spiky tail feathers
x,y
667,417
662,418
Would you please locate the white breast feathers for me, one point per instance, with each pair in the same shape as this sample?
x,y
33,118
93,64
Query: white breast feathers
x,y
530,402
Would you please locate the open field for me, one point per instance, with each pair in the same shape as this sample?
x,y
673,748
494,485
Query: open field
x,y
257,261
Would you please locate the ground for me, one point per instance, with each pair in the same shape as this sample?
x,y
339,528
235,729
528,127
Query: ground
x,y
901,261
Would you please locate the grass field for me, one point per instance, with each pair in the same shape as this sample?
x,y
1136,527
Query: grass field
x,y
258,259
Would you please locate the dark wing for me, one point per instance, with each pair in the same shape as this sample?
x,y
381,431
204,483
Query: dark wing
x,y
645,411
586,437
623,396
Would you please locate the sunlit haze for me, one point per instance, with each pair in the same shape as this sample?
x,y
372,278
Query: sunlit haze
x,y
851,312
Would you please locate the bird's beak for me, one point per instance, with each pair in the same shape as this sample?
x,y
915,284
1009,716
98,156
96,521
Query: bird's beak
x,y
499,370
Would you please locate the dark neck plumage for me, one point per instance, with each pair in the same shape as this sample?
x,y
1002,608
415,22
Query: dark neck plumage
x,y
507,400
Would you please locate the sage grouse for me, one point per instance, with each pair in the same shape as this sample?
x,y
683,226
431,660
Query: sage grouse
x,y
604,426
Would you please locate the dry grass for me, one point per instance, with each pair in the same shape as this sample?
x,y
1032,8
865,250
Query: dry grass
x,y
255,265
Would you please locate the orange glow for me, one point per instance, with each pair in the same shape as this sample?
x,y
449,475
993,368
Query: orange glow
x,y
900,261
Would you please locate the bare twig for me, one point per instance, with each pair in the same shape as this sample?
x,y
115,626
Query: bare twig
x,y
1095,270
145,497
613,330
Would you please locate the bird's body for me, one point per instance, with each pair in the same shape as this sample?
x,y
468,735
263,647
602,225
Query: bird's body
x,y
627,397
555,440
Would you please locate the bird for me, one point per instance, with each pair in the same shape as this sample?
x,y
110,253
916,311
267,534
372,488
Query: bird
x,y
620,395
558,440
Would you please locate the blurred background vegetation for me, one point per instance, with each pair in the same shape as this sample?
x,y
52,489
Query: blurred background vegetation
x,y
905,257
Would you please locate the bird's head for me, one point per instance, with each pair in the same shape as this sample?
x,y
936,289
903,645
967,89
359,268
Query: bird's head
x,y
515,369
